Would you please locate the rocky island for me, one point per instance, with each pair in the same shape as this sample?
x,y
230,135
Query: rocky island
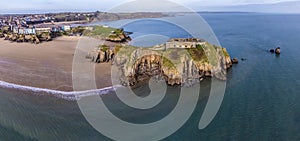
x,y
180,61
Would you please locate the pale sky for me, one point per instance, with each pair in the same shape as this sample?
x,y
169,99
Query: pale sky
x,y
36,6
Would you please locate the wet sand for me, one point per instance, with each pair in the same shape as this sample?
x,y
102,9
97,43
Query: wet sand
x,y
46,65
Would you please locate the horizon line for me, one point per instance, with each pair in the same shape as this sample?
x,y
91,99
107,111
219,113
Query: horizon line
x,y
204,11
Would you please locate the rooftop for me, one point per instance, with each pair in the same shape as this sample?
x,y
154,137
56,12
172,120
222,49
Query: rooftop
x,y
186,40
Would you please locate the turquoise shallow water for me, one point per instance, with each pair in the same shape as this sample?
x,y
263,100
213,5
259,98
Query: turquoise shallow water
x,y
262,99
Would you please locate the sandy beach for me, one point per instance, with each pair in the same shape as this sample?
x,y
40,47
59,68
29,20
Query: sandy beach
x,y
46,65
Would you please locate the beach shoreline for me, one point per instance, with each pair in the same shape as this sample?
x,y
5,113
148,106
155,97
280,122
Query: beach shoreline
x,y
47,65
67,95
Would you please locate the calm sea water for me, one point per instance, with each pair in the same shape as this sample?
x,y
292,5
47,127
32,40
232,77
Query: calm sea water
x,y
262,99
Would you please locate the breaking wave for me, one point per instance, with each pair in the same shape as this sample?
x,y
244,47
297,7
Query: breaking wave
x,y
75,95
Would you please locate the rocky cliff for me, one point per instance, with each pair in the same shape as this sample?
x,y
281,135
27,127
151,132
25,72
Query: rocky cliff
x,y
176,66
27,38
101,56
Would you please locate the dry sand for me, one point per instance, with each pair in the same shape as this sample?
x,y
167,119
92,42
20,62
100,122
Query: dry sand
x,y
46,65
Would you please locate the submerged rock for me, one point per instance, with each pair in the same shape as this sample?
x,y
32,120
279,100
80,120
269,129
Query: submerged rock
x,y
244,59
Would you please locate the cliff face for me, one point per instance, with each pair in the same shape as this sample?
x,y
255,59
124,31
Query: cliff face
x,y
101,56
119,35
28,38
176,66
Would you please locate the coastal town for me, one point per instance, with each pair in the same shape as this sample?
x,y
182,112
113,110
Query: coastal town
x,y
36,28
39,27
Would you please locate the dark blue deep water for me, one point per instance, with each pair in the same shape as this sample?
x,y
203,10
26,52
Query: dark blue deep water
x,y
262,99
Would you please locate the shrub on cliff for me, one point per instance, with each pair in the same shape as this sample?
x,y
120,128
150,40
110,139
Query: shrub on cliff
x,y
198,53
104,48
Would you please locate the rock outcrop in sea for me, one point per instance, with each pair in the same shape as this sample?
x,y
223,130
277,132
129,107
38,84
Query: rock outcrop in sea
x,y
235,61
277,50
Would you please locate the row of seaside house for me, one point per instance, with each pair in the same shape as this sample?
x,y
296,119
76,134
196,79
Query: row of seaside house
x,y
40,29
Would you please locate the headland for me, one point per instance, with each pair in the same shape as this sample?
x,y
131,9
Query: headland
x,y
49,64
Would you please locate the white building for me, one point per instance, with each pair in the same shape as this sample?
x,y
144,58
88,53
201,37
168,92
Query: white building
x,y
66,27
30,31
27,31
42,29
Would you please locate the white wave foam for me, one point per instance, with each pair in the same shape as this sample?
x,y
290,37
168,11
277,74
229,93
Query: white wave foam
x,y
75,95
